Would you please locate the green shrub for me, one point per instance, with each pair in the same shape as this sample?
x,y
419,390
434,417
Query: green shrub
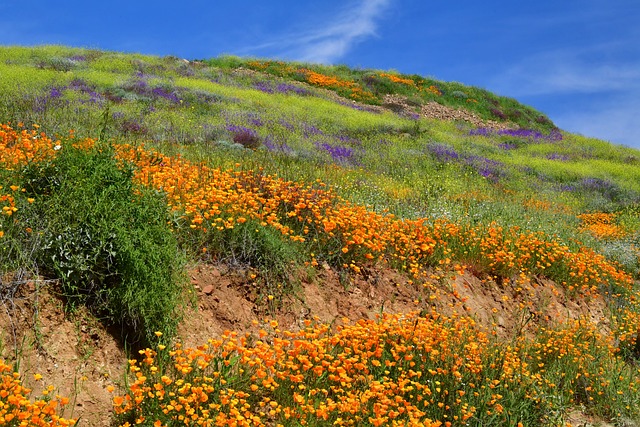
x,y
108,242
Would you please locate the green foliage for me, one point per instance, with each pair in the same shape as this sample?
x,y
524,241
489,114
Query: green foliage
x,y
107,241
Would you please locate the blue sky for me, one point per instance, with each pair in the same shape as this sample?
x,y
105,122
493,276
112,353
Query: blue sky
x,y
578,61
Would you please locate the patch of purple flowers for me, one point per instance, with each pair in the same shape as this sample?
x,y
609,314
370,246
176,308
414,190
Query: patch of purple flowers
x,y
288,126
244,136
81,86
139,86
508,146
338,153
160,92
480,132
443,152
530,134
276,147
284,88
567,188
255,119
488,168
55,93
289,88
49,100
311,130
349,140
605,187
264,86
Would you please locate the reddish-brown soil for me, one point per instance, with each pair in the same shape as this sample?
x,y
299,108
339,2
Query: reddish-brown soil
x,y
81,358
75,353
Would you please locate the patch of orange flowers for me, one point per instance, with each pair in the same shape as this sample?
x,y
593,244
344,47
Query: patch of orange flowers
x,y
547,206
394,371
8,203
17,408
349,88
433,90
397,79
19,146
348,235
351,235
391,372
322,80
601,225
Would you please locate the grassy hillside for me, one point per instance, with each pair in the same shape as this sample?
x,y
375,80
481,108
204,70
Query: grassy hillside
x,y
117,169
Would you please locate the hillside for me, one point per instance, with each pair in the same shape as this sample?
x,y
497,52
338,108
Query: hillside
x,y
488,261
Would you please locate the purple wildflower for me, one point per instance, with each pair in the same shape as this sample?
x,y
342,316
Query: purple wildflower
x,y
288,126
443,152
555,135
55,93
289,88
338,153
81,86
160,92
244,136
480,132
276,147
139,86
508,146
486,167
239,129
567,188
255,119
264,87
310,130
530,134
521,133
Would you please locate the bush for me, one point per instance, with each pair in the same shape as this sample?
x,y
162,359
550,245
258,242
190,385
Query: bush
x,y
248,138
108,242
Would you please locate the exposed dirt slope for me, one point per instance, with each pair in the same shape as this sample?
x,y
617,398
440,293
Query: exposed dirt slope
x,y
75,353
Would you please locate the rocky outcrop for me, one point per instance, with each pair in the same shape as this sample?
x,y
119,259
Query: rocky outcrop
x,y
434,110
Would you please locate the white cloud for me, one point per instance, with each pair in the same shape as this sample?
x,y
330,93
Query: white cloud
x,y
329,41
616,122
565,72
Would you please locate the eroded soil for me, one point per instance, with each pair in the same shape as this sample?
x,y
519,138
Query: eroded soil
x,y
82,358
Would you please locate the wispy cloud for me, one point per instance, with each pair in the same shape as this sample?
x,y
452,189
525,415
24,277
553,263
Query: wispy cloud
x,y
567,72
328,41
615,121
